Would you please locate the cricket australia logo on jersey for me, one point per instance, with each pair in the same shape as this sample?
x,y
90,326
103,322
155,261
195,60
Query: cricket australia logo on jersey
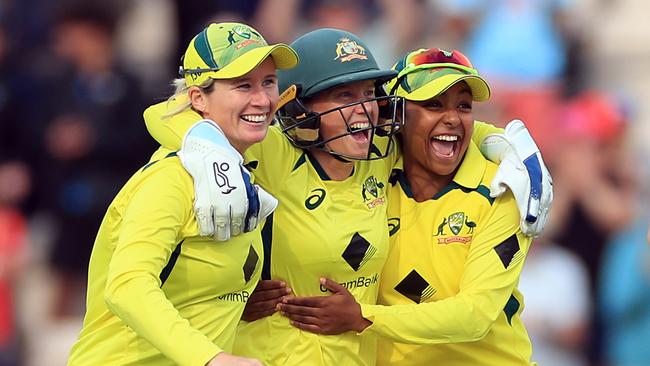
x,y
372,192
455,228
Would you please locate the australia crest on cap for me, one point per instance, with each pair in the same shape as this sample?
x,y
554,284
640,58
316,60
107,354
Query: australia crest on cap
x,y
347,50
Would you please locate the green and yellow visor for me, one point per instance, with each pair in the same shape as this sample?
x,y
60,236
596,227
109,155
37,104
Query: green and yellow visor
x,y
426,73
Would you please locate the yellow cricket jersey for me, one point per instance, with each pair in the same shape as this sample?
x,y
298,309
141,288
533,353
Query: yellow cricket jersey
x,y
451,275
158,294
321,228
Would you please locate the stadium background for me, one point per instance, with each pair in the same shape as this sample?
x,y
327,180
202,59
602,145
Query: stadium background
x,y
76,75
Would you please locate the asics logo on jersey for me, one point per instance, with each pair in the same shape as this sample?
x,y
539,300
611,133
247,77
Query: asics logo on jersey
x,y
372,192
221,178
415,287
315,198
455,223
250,263
358,252
393,226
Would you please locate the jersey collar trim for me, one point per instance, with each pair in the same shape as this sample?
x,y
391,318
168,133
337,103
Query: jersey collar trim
x,y
319,169
469,174
472,168
322,174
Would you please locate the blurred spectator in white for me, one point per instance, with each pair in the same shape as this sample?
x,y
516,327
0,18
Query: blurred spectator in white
x,y
618,54
145,39
625,296
595,185
521,48
558,304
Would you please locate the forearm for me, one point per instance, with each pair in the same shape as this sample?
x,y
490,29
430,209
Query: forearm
x,y
140,303
458,319
169,132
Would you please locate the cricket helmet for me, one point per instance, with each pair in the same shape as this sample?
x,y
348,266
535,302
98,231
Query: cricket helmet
x,y
330,58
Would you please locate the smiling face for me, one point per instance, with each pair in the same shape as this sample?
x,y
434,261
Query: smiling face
x,y
357,117
437,132
243,107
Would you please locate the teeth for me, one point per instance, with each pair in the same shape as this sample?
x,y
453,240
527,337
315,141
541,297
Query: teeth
x,y
446,138
359,125
255,118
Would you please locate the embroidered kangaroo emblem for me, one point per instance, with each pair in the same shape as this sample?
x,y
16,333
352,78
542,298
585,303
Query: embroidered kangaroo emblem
x,y
441,227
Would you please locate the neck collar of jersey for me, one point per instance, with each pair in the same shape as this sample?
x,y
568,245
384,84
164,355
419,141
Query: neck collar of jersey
x,y
469,174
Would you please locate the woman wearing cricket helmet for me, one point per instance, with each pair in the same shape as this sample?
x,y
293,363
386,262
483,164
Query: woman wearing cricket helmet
x,y
332,189
318,115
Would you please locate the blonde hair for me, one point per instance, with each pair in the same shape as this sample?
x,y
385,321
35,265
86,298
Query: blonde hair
x,y
181,89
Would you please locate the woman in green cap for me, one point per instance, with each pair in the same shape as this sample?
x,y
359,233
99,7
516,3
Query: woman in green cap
x,y
158,292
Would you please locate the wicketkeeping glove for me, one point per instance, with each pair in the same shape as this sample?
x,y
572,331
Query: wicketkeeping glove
x,y
522,169
226,203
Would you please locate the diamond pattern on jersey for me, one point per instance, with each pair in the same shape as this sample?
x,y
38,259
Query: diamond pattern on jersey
x,y
415,287
250,263
358,252
507,250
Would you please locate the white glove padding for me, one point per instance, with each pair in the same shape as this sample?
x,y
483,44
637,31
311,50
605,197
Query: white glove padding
x,y
522,169
225,203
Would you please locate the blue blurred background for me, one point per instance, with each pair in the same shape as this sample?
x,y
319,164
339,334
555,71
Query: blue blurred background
x,y
75,77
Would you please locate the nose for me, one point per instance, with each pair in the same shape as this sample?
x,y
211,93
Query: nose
x,y
362,108
260,98
451,117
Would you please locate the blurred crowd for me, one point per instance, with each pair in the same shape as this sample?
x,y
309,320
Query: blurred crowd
x,y
75,77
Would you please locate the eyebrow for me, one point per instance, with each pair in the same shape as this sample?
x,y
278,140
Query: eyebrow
x,y
466,89
247,78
